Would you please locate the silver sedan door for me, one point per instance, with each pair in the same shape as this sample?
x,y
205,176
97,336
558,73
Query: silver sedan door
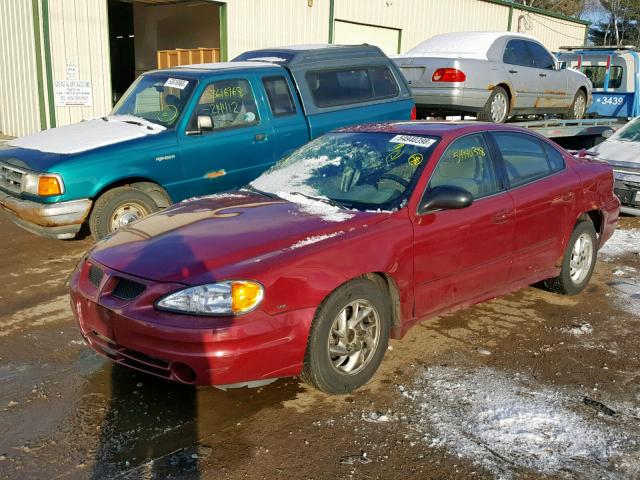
x,y
554,83
522,73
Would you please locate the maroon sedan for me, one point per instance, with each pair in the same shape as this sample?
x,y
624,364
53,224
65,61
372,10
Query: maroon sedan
x,y
349,241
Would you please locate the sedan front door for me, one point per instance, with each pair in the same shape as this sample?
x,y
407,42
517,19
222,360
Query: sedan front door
x,y
522,74
553,84
462,255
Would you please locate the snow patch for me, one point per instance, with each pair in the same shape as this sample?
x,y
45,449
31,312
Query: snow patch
x,y
622,242
88,135
266,59
215,196
505,424
579,329
329,213
314,239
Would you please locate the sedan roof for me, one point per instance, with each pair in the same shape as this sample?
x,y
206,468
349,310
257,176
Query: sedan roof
x,y
425,127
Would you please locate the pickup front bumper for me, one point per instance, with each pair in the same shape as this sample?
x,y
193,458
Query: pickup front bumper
x,y
53,220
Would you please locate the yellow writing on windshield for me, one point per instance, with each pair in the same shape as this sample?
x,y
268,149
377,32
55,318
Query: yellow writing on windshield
x,y
467,153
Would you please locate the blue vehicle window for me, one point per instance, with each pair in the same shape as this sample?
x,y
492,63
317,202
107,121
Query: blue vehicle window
x,y
524,158
354,85
228,103
517,53
596,74
157,98
279,95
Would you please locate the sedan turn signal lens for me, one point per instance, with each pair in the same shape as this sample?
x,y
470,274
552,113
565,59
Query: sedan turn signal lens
x,y
49,186
245,296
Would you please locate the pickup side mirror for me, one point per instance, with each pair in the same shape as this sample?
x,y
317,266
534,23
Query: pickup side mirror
x,y
204,123
445,197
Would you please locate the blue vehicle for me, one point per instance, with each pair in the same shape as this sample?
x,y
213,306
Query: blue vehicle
x,y
192,131
615,75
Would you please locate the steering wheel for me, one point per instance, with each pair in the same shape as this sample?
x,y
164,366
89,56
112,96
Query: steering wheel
x,y
395,178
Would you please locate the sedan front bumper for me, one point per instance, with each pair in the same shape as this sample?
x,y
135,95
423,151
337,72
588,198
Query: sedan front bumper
x,y
54,220
627,188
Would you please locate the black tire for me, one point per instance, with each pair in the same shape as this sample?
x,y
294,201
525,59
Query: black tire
x,y
106,206
485,114
319,370
571,113
563,283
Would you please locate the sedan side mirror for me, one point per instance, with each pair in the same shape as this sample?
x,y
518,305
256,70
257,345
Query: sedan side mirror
x,y
445,197
606,134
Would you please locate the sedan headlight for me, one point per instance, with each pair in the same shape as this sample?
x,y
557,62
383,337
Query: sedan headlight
x,y
42,184
224,298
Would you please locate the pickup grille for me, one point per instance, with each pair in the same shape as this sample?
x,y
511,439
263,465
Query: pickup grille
x,y
10,178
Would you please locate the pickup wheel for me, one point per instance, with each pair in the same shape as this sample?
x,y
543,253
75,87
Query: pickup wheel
x,y
348,338
117,208
578,262
496,109
578,107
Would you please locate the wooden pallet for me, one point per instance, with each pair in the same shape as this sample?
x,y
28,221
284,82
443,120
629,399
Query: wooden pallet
x,y
187,56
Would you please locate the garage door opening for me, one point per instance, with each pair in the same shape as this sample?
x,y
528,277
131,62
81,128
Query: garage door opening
x,y
141,32
353,33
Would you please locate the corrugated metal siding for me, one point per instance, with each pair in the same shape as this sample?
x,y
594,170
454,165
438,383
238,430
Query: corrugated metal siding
x,y
421,19
19,105
255,24
80,35
552,32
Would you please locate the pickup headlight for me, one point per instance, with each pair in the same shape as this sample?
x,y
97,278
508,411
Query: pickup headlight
x,y
224,298
42,184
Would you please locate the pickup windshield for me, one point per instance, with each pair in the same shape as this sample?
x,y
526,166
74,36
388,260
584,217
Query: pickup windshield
x,y
365,171
630,132
157,98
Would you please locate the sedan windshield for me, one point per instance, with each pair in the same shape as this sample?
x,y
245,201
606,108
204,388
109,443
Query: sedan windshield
x,y
157,98
354,170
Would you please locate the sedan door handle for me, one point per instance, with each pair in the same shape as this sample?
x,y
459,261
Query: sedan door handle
x,y
502,216
542,74
260,137
513,71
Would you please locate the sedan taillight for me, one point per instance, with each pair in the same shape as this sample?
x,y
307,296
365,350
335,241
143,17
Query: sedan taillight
x,y
448,75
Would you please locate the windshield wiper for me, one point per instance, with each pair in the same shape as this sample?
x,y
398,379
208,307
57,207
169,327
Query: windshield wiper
x,y
328,201
251,188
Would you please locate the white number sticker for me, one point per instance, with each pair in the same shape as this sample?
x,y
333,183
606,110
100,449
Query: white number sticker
x,y
612,100
176,83
413,140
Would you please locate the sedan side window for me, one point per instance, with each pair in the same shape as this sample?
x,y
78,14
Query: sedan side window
x,y
228,103
466,164
524,157
517,53
541,57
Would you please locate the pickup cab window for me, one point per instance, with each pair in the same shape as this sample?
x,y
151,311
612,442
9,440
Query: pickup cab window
x,y
228,103
354,85
159,99
279,95
597,74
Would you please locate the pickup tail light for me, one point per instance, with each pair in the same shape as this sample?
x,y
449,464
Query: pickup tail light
x,y
414,113
448,75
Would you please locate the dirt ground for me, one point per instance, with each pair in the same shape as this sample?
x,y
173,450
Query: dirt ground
x,y
518,387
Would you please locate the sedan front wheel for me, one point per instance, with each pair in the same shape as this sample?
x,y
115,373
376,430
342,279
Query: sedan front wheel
x,y
348,338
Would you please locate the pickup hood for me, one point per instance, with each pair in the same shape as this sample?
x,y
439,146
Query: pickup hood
x,y
195,240
623,154
43,150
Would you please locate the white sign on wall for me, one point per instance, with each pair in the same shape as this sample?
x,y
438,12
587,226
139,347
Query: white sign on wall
x,y
73,93
72,71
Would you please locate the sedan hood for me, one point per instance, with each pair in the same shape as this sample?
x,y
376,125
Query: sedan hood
x,y
193,240
624,154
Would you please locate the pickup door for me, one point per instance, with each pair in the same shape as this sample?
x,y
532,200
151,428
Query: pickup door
x,y
239,142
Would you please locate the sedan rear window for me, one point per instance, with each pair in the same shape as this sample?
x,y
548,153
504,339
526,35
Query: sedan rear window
x,y
524,157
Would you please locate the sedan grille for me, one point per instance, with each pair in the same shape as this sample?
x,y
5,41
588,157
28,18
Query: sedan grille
x,y
127,289
11,178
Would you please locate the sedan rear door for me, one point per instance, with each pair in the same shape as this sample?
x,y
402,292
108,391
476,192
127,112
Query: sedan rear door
x,y
522,74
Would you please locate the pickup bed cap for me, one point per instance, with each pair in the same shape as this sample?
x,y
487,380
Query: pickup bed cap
x,y
306,55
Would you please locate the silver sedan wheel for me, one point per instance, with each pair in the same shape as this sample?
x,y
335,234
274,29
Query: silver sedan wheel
x,y
354,337
499,108
579,106
125,214
581,258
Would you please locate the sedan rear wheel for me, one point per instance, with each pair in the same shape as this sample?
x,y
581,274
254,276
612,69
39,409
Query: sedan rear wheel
x,y
578,262
348,337
496,109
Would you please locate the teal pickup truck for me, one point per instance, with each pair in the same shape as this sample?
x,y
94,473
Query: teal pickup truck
x,y
192,131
